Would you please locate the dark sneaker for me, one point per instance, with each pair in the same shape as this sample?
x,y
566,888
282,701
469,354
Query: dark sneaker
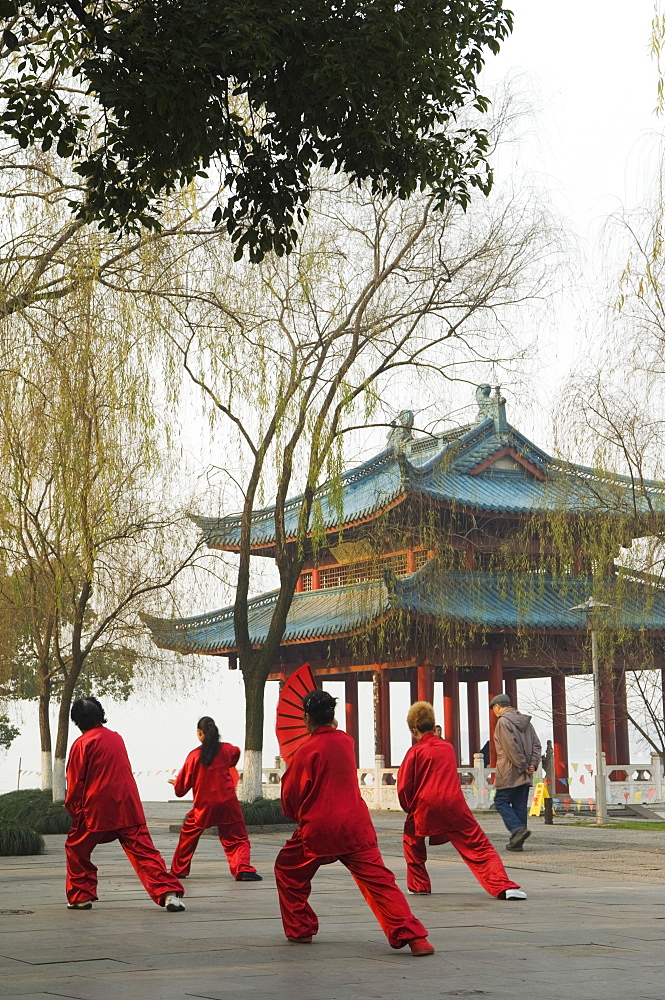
x,y
512,847
518,838
173,903
305,940
249,877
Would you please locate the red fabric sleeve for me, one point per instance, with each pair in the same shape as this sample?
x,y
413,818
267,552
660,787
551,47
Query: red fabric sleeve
x,y
405,781
75,779
185,779
296,784
234,754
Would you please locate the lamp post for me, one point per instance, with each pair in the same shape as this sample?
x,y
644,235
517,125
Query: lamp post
x,y
591,608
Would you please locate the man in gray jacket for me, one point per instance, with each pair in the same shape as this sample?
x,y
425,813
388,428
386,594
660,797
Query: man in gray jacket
x,y
517,757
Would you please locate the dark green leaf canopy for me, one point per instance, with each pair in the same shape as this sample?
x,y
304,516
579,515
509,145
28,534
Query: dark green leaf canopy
x,y
268,89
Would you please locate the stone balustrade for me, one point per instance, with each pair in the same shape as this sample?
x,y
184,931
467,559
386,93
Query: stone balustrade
x,y
626,784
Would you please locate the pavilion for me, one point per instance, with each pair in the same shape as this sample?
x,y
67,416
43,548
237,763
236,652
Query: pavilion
x,y
457,557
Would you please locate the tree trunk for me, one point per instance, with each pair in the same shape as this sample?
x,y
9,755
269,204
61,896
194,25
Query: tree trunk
x,y
252,776
45,732
62,737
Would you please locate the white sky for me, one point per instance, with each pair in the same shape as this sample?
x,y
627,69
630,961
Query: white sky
x,y
586,69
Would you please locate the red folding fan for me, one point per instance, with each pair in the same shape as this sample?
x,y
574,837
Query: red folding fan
x,y
290,727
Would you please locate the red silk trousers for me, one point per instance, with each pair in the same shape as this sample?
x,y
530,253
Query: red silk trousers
x,y
472,845
137,844
232,834
294,871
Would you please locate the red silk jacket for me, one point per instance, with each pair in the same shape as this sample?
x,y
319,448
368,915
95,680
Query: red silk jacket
x,y
320,791
429,789
101,789
212,785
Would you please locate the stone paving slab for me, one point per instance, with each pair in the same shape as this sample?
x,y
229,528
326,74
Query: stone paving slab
x,y
591,932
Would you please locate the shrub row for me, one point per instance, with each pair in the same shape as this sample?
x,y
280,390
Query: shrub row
x,y
24,816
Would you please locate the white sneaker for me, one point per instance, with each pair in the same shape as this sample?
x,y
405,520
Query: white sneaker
x,y
173,903
80,906
515,894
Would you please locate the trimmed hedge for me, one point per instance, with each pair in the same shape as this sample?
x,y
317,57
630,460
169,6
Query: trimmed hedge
x,y
35,808
18,839
264,812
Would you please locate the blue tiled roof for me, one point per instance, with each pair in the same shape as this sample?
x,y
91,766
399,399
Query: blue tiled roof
x,y
483,601
440,468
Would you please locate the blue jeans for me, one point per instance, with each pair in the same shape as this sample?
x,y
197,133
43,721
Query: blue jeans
x,y
511,805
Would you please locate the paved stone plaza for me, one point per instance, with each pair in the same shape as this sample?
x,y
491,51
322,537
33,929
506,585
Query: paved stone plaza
x,y
593,927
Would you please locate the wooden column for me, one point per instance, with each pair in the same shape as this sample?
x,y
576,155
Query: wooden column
x,y
560,733
510,684
376,702
381,713
607,719
425,685
451,708
473,718
351,700
495,687
413,685
410,561
299,585
621,718
316,578
385,718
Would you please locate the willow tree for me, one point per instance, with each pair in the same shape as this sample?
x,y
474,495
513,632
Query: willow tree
x,y
379,298
86,524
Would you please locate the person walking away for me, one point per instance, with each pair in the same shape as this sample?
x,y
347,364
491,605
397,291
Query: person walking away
x,y
517,757
320,791
430,794
103,801
209,771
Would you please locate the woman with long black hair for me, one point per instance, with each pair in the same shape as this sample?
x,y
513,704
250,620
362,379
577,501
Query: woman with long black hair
x,y
207,770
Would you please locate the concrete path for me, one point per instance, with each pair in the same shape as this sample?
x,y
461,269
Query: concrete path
x,y
593,927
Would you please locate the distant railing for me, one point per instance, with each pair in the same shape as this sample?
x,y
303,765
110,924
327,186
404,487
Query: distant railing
x,y
626,784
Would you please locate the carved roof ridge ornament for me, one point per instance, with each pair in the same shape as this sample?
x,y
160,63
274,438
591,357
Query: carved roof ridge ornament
x,y
491,406
401,431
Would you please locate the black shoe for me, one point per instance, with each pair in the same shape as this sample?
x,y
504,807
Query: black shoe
x,y
249,877
518,838
514,847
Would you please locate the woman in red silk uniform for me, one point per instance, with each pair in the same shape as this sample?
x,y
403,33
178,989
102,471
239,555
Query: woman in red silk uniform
x,y
430,794
210,771
103,801
320,791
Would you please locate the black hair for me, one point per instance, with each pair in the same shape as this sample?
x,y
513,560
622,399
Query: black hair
x,y
320,706
210,744
87,713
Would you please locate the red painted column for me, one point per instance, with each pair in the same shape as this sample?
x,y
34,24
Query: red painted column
x,y
510,684
607,719
351,700
410,561
560,727
316,578
384,681
451,708
425,685
299,587
473,718
495,687
413,685
621,718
